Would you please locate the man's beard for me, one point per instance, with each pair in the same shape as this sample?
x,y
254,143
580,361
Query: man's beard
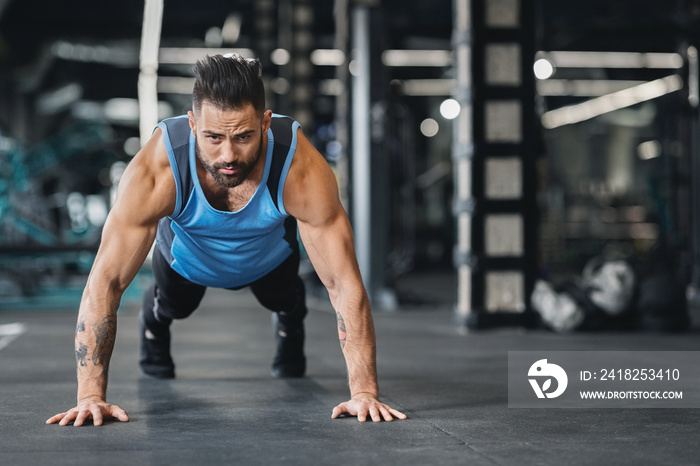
x,y
242,169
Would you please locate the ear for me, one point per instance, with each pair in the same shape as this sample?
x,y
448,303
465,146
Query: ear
x,y
266,121
193,124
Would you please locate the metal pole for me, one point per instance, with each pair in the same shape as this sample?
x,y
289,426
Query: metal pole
x,y
694,102
148,66
340,14
285,38
462,151
302,90
361,173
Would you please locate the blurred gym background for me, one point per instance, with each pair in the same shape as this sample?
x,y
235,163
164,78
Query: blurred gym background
x,y
485,149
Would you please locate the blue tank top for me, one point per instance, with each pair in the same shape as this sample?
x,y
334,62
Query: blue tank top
x,y
222,249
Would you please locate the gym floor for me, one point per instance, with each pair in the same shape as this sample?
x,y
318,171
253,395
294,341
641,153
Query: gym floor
x,y
224,408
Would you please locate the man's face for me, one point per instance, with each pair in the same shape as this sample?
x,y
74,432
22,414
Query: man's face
x,y
229,142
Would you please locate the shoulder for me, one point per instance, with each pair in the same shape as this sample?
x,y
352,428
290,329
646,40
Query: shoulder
x,y
148,185
151,163
311,190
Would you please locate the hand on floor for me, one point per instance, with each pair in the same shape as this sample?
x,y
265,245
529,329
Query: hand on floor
x,y
89,409
361,407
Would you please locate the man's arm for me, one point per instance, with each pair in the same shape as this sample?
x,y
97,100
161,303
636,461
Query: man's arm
x,y
311,196
146,194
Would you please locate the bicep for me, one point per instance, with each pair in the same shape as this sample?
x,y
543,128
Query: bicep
x,y
146,194
311,196
331,250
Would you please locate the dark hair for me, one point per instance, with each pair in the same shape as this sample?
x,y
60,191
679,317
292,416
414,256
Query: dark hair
x,y
228,82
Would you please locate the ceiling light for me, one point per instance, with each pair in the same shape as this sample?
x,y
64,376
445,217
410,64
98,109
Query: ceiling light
x,y
280,57
327,57
613,60
438,58
611,102
543,68
450,109
429,127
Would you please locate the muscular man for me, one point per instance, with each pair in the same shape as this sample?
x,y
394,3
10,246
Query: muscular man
x,y
221,191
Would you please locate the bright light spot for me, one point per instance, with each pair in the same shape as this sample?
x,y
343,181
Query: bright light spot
x,y
96,210
213,37
116,171
121,109
132,146
327,57
232,28
280,57
280,86
438,58
331,87
610,102
649,150
429,127
75,203
450,109
600,59
334,149
543,69
354,68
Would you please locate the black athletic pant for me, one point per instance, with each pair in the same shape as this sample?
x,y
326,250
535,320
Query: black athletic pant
x,y
174,297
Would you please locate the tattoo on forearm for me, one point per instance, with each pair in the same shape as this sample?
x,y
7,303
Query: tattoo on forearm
x,y
105,334
342,334
80,348
80,354
81,325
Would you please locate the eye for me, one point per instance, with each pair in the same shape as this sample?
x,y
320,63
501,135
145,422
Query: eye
x,y
243,138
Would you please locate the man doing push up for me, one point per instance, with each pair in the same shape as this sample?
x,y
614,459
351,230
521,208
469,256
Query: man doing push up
x,y
222,191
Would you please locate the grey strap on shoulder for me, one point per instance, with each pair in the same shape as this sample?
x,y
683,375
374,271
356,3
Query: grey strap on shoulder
x,y
178,134
282,134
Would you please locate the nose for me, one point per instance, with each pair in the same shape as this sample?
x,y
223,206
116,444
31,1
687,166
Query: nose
x,y
227,153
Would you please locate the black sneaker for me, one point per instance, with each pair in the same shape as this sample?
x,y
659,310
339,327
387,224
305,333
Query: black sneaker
x,y
154,359
289,361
